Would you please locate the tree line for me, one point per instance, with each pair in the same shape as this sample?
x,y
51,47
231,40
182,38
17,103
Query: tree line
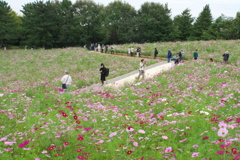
x,y
56,23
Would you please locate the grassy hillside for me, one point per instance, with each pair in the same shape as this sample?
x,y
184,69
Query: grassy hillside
x,y
188,112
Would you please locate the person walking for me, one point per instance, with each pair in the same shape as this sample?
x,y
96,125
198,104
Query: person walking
x,y
225,57
102,71
169,55
155,53
195,54
141,69
66,81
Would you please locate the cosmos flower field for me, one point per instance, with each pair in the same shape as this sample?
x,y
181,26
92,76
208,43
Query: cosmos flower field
x,y
206,49
189,112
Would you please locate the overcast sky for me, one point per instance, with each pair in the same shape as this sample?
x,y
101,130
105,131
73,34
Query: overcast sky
x,y
227,7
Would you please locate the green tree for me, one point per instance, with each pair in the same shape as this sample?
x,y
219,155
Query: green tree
x,y
117,24
8,24
40,24
222,28
237,25
87,21
184,24
155,22
203,22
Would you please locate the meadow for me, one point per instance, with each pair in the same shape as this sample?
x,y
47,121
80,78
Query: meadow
x,y
188,112
206,49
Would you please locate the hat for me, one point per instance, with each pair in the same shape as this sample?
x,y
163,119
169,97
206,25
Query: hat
x,y
226,52
66,71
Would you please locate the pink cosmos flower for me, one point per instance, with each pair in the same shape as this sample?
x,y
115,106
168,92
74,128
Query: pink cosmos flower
x,y
44,151
195,146
222,125
4,139
214,128
9,143
164,137
195,154
182,140
168,150
113,134
141,131
37,159
135,144
222,132
129,129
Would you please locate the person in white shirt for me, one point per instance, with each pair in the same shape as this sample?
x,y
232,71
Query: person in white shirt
x,y
132,50
67,80
129,51
141,69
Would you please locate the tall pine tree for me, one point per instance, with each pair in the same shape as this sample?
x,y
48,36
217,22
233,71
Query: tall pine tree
x,y
184,24
203,22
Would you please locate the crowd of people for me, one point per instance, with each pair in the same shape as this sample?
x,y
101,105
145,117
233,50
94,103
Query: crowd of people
x,y
101,48
177,58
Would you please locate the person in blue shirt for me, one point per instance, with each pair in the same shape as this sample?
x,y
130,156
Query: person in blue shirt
x,y
169,55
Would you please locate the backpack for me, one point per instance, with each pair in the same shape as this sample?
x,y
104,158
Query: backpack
x,y
180,54
106,73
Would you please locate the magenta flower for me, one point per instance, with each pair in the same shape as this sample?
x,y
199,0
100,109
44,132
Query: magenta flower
x,y
21,145
220,152
87,129
80,157
204,138
222,132
195,154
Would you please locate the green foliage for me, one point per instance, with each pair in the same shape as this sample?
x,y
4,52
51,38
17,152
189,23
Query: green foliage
x,y
184,24
203,22
8,24
62,23
117,19
155,24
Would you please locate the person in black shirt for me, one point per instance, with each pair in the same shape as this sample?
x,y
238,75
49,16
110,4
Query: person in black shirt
x,y
225,57
102,71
